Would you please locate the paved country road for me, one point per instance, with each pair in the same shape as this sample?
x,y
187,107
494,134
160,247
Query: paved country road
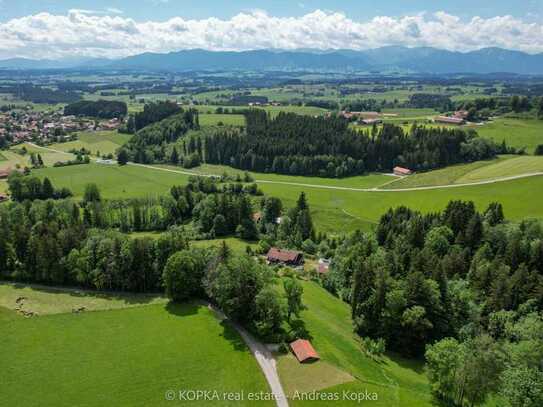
x,y
298,184
264,358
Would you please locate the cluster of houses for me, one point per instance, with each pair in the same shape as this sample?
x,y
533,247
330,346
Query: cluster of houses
x,y
458,118
28,125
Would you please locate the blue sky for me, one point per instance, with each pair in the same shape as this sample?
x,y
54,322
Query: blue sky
x,y
161,10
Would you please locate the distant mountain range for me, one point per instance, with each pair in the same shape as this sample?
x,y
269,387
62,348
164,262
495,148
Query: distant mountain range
x,y
386,59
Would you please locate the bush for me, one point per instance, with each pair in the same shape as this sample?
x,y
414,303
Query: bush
x,y
374,347
539,150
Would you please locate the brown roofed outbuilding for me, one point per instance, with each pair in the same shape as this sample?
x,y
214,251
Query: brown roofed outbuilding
x,y
304,351
288,257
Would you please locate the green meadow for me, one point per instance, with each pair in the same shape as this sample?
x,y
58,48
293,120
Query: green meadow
x,y
334,210
123,357
104,142
398,382
516,132
212,119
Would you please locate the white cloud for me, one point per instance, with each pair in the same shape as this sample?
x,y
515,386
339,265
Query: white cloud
x,y
93,33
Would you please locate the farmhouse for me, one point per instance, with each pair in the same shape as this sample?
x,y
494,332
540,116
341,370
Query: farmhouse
x,y
402,172
304,351
450,120
288,257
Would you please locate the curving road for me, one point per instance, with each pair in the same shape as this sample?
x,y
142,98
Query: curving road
x,y
264,358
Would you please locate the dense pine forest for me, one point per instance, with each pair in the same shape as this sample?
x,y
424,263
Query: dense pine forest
x,y
303,145
103,109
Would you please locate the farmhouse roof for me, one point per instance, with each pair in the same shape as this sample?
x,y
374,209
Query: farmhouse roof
x,y
402,170
304,351
283,255
451,120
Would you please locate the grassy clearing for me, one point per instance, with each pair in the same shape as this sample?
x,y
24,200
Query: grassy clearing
x,y
114,181
505,168
361,181
13,159
398,382
340,211
305,378
235,244
127,357
2,158
515,132
226,119
333,210
445,176
104,142
3,186
49,157
45,300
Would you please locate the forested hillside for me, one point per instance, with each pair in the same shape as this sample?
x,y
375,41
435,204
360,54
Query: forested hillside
x,y
149,144
103,109
303,145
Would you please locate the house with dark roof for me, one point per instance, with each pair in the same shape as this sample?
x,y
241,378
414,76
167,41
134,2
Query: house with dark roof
x,y
287,257
304,351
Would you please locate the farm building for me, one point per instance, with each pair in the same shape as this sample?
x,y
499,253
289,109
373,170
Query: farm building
x,y
369,122
402,172
304,351
4,173
288,257
323,267
450,120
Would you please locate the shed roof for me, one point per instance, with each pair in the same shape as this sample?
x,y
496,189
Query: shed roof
x,y
283,255
304,351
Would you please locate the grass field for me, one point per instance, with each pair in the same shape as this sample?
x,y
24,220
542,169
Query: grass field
x,y
114,181
515,132
398,382
503,166
105,142
49,157
333,210
128,357
274,110
47,300
2,158
361,181
235,244
226,119
3,186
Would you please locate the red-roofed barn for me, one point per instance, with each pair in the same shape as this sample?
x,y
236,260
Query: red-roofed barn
x,y
304,351
288,257
402,172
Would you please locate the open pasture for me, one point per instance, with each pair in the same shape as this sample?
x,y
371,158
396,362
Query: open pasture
x,y
123,357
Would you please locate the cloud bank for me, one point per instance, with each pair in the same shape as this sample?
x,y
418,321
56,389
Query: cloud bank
x,y
83,33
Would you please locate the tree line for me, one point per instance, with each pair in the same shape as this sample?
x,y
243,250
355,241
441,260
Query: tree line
x,y
327,147
451,284
103,109
149,144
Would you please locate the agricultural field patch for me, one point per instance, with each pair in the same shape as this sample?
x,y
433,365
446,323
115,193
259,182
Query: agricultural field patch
x,y
103,142
123,357
44,300
516,132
